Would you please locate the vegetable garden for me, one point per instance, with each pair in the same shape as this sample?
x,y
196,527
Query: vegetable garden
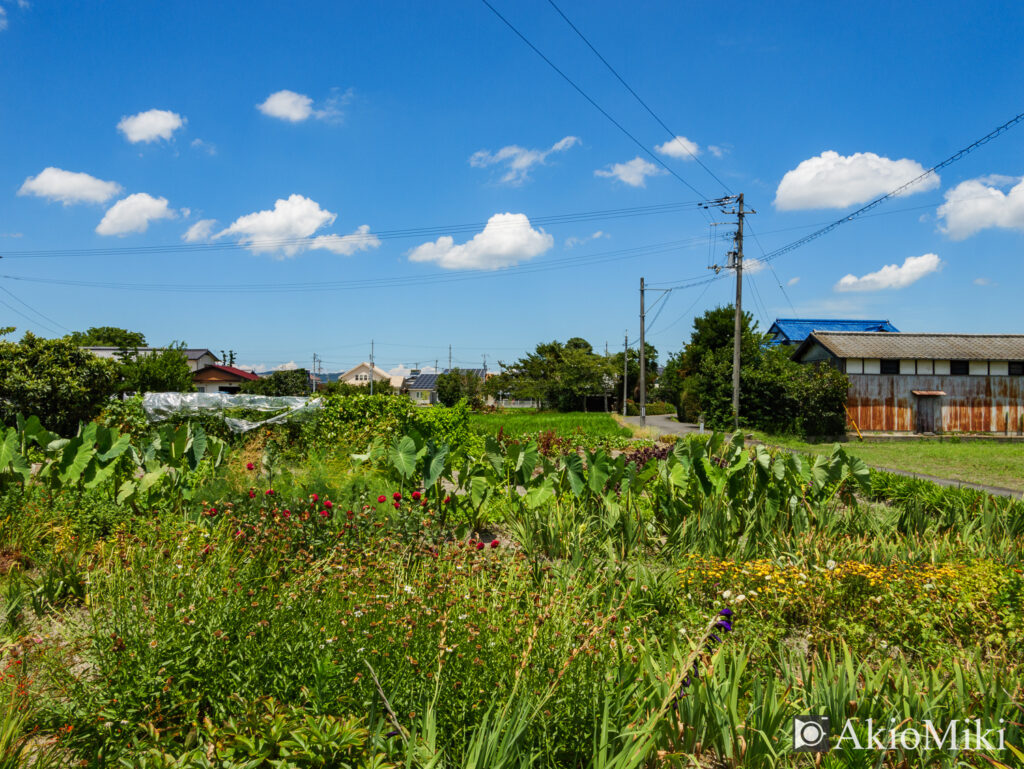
x,y
384,586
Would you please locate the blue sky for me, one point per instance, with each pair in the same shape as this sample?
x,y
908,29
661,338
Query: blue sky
x,y
292,147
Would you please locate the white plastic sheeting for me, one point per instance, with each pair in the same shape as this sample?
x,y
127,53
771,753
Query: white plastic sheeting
x,y
160,406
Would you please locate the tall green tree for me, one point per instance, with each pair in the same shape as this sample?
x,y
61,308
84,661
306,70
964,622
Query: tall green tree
x,y
159,371
293,382
456,384
55,380
632,372
560,376
108,336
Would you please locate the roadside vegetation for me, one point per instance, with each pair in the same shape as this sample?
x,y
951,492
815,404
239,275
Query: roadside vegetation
x,y
387,586
987,462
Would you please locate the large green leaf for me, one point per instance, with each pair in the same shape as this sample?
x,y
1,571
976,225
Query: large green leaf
x,y
75,458
117,448
402,456
540,495
11,459
437,465
574,473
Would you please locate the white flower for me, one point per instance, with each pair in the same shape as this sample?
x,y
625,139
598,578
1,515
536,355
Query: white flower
x,y
830,564
408,589
740,598
727,594
357,613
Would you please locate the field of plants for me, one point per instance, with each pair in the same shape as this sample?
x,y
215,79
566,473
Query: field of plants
x,y
386,587
985,461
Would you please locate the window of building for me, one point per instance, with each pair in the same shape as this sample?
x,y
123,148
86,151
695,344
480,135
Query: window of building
x,y
890,366
1016,368
959,367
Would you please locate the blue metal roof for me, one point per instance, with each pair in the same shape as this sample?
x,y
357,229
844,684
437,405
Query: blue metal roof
x,y
796,330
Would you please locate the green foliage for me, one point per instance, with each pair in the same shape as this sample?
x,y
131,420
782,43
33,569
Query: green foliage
x,y
352,422
653,408
346,388
107,336
158,371
562,376
454,385
632,373
127,416
55,380
294,382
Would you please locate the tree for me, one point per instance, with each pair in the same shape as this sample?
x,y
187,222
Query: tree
x,y
558,375
159,371
380,387
55,380
456,384
108,336
716,330
228,358
633,372
292,382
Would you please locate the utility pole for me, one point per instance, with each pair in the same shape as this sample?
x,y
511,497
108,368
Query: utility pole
x,y
372,367
643,361
736,263
625,372
449,357
312,373
605,388
485,365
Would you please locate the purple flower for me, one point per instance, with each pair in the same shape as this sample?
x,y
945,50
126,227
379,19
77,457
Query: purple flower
x,y
724,624
725,612
715,638
392,733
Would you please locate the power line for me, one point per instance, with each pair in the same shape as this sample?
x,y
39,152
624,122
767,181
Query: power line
x,y
33,309
369,237
391,282
596,106
29,319
902,188
673,134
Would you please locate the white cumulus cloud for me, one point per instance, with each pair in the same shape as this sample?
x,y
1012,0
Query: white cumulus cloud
x,y
979,204
507,239
680,148
283,228
69,187
346,245
200,231
133,214
150,126
289,366
296,107
892,276
983,282
518,160
793,281
288,229
831,180
634,172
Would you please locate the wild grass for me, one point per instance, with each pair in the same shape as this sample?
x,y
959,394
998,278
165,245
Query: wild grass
x,y
985,461
514,424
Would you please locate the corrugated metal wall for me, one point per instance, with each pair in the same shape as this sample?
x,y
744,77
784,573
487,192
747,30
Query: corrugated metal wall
x,y
885,402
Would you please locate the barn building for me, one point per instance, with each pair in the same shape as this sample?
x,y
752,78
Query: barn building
x,y
927,383
790,332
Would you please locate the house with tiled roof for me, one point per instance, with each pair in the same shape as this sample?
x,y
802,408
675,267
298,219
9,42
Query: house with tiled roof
x,y
793,331
221,379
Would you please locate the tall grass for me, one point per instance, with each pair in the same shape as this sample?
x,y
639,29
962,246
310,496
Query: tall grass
x,y
513,424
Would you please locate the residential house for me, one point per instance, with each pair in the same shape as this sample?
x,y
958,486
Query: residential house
x,y
362,373
197,358
927,383
422,388
221,379
793,331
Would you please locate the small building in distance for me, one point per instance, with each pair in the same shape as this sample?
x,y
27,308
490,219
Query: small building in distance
x,y
793,331
361,374
197,358
927,383
422,388
221,379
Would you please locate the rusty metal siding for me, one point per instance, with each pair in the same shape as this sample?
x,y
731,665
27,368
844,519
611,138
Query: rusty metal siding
x,y
971,404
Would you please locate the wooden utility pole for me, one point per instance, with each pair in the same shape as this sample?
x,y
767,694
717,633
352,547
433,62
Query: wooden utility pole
x,y
736,262
625,372
372,367
643,360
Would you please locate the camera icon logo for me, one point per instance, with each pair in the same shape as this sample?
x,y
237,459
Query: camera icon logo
x,y
810,734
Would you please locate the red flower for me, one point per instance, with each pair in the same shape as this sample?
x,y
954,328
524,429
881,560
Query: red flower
x,y
287,514
252,494
416,495
495,543
327,503
448,499
324,513
423,503
270,492
479,545
316,498
348,514
382,498
397,496
397,505
250,466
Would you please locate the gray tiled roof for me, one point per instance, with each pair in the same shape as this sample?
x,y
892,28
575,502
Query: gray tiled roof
x,y
429,381
925,346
